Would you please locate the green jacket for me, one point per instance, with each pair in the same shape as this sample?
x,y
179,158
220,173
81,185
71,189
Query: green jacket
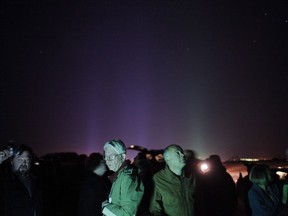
x,y
126,193
173,195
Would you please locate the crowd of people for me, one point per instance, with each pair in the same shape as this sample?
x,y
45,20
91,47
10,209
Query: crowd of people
x,y
112,185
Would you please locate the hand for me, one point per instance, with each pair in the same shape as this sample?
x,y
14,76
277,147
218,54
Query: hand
x,y
105,203
4,155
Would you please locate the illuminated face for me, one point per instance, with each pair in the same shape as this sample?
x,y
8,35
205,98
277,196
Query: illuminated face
x,y
113,159
177,158
101,169
263,182
21,163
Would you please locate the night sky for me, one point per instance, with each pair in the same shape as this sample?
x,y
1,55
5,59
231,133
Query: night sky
x,y
210,76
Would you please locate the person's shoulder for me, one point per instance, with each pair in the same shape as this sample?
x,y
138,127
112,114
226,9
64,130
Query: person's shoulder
x,y
90,178
128,174
130,170
161,174
253,189
275,187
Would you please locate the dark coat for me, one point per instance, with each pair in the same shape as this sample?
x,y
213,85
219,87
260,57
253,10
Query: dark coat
x,y
219,196
94,190
263,204
15,200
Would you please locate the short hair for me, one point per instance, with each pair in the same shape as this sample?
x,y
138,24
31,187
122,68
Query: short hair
x,y
117,144
260,173
93,161
22,148
168,149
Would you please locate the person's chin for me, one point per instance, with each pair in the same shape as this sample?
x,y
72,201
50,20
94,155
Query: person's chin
x,y
22,173
183,165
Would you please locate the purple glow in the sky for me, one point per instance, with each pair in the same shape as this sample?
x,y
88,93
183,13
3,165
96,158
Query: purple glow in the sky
x,y
209,77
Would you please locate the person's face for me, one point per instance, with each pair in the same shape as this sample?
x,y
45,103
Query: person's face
x,y
21,163
101,169
177,158
263,182
113,159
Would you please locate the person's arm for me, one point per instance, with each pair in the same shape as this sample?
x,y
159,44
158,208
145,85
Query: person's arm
x,y
131,195
156,206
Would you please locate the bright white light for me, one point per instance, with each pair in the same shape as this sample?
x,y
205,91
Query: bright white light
x,y
281,174
204,167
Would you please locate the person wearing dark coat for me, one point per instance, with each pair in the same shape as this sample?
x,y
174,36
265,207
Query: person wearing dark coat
x,y
20,193
94,188
218,190
264,196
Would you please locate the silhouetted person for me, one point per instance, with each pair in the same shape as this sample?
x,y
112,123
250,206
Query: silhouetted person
x,y
145,173
219,190
94,188
243,186
191,162
20,194
192,169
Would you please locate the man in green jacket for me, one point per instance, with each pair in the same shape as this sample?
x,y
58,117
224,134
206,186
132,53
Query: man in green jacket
x,y
127,190
173,192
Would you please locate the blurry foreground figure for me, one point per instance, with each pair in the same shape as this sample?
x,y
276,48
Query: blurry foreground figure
x,y
20,194
264,196
94,188
145,174
173,191
218,190
127,190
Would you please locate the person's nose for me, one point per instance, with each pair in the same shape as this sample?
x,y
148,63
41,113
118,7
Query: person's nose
x,y
25,162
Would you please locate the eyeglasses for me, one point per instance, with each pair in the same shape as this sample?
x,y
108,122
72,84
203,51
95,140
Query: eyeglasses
x,y
111,157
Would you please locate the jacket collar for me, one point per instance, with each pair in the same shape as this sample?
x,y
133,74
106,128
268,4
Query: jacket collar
x,y
113,177
172,175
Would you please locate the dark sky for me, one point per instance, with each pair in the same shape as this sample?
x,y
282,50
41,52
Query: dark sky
x,y
208,75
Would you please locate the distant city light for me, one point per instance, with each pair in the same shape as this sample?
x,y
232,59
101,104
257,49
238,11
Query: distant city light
x,y
282,175
249,159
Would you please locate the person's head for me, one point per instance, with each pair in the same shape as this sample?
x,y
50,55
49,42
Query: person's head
x,y
174,157
21,161
190,156
249,166
96,164
114,154
260,175
215,164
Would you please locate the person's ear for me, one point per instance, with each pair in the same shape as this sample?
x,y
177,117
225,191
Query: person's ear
x,y
123,157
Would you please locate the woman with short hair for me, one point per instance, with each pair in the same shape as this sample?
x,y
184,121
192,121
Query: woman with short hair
x,y
264,196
